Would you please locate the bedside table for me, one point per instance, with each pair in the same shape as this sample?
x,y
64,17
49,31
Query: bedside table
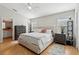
x,y
69,42
60,38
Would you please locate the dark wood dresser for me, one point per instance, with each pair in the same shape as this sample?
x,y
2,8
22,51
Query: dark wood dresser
x,y
60,38
18,30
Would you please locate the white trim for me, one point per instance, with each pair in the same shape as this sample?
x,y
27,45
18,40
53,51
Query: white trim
x,y
1,31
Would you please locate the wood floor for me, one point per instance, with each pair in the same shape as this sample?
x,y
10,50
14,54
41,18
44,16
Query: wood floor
x,y
9,47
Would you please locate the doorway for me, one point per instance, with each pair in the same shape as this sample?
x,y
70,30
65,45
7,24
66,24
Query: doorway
x,y
7,26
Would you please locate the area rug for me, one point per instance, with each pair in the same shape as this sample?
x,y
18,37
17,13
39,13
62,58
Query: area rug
x,y
57,49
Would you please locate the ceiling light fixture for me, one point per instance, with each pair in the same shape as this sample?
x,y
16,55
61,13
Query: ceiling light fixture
x,y
29,6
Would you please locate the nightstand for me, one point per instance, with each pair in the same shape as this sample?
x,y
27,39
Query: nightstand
x,y
69,42
60,38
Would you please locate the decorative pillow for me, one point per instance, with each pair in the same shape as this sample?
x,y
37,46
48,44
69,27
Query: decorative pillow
x,y
44,30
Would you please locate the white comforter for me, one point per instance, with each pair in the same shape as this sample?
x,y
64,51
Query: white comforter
x,y
37,42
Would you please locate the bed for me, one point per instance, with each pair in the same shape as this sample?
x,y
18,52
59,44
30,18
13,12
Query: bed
x,y
36,42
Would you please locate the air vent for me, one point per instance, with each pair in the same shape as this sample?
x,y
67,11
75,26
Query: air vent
x,y
14,10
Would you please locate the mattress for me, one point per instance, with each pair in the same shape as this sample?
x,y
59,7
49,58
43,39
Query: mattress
x,y
36,42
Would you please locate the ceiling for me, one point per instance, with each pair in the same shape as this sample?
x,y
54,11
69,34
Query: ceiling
x,y
39,9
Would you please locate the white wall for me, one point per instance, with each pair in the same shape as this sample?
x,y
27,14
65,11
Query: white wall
x,y
78,32
17,18
77,41
51,20
77,25
1,35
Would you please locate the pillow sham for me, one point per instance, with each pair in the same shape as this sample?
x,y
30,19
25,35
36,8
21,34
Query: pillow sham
x,y
44,30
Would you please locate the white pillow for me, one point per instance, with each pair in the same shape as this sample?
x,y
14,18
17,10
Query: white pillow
x,y
48,31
